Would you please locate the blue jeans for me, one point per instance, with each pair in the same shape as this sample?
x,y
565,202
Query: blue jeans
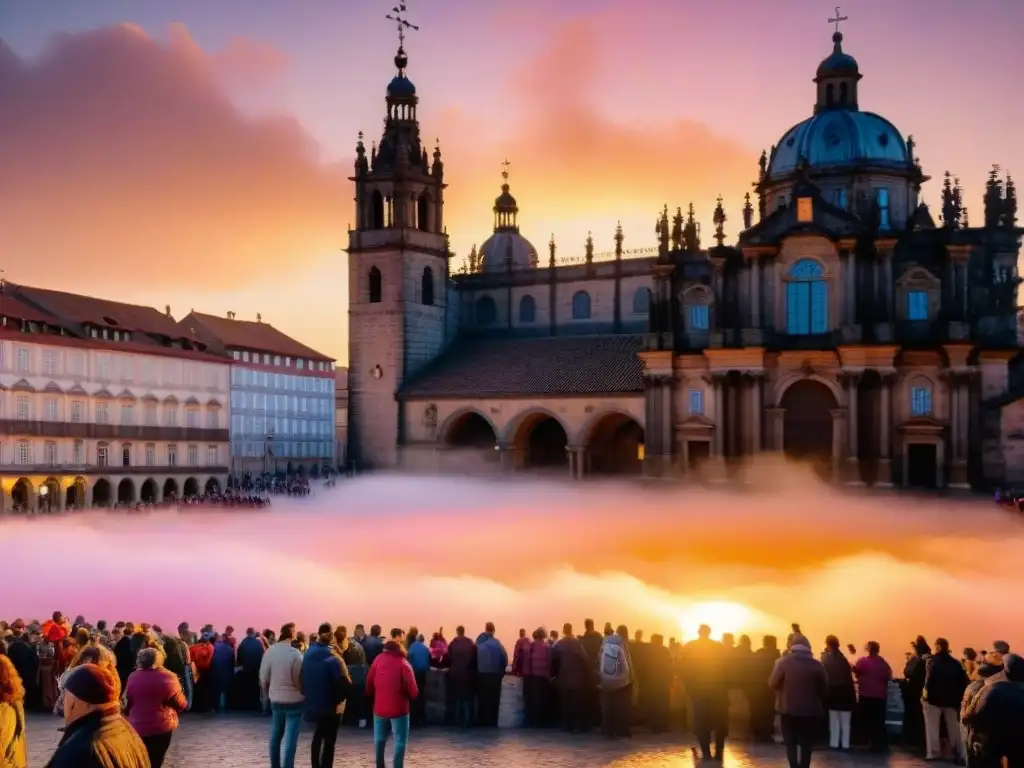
x,y
285,727
398,726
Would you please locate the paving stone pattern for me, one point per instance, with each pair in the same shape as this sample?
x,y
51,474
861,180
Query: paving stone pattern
x,y
237,741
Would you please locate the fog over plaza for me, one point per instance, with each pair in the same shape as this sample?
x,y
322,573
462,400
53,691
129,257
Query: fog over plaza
x,y
441,551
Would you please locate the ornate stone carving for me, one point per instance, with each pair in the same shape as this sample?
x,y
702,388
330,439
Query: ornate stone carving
x,y
430,419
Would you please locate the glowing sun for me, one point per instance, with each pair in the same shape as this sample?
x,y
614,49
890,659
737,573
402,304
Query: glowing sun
x,y
721,615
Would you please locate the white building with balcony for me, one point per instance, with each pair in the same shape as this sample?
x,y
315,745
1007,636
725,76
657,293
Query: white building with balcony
x,y
104,403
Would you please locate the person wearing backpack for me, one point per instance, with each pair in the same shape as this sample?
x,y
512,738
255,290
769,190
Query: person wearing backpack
x,y
617,678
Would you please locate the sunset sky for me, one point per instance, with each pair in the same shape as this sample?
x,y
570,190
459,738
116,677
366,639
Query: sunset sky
x,y
195,154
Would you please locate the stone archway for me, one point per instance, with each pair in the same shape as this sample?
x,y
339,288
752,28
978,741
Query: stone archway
x,y
615,445
212,486
170,488
49,495
191,487
74,496
21,494
471,430
102,493
807,426
126,491
148,492
542,442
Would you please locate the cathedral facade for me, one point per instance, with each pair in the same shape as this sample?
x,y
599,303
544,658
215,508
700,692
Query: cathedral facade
x,y
847,327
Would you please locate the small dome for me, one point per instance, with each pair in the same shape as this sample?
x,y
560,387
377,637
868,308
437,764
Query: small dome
x,y
839,140
499,247
505,201
838,63
400,86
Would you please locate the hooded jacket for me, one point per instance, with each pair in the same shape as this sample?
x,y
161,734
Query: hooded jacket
x,y
101,739
391,682
801,682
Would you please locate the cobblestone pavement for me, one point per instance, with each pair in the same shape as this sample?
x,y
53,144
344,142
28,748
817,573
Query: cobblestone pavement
x,y
238,741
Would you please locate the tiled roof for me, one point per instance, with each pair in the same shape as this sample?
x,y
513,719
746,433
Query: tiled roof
x,y
89,310
12,306
562,365
246,334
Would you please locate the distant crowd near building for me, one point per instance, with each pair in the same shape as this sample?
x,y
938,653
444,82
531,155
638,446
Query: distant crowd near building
x,y
105,404
967,710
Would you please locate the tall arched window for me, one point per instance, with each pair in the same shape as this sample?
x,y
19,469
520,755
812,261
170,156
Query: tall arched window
x,y
428,286
527,309
642,301
806,298
422,212
377,210
581,305
486,311
830,95
920,400
375,285
844,93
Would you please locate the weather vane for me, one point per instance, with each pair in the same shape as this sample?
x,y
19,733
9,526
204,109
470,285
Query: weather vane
x,y
835,21
397,15
504,169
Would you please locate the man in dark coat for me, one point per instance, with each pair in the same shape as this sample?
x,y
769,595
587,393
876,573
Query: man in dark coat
x,y
656,695
462,670
703,668
96,735
995,716
25,659
591,640
760,696
944,684
574,680
250,655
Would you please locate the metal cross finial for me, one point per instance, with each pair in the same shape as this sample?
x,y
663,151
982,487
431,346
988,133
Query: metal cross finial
x,y
504,169
838,19
397,16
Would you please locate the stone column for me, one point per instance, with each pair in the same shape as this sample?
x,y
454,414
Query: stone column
x,y
838,421
776,425
884,479
849,286
958,408
755,292
853,448
571,452
756,413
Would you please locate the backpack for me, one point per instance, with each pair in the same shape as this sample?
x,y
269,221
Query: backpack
x,y
614,667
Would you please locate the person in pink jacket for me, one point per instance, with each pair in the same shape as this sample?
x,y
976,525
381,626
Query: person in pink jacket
x,y
873,674
154,699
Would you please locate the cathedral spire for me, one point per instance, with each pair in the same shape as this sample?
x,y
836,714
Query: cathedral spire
x,y
720,219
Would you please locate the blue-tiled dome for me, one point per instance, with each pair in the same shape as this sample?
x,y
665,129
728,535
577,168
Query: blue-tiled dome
x,y
838,139
500,247
401,85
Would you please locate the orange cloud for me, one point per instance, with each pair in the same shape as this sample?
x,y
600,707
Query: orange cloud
x,y
575,168
124,160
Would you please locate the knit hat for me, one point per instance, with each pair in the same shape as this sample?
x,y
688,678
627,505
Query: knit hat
x,y
92,684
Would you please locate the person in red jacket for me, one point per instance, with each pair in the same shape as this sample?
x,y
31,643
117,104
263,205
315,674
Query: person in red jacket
x,y
154,698
392,685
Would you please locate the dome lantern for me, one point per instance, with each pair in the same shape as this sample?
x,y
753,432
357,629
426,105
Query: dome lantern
x,y
506,211
506,249
837,75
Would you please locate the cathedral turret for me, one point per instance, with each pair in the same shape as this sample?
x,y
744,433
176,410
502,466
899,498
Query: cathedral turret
x,y
993,199
506,249
720,219
1010,204
748,212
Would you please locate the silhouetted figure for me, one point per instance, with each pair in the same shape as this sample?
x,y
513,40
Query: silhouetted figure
x,y
760,696
704,673
574,681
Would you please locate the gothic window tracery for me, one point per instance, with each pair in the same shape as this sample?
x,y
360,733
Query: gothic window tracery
x,y
806,298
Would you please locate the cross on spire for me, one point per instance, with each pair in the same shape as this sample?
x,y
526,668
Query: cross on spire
x,y
835,21
504,169
398,16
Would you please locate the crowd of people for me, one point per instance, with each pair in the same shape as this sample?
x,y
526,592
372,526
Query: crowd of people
x,y
121,689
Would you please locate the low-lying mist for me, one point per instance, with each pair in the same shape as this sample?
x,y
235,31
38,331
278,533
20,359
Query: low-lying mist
x,y
440,551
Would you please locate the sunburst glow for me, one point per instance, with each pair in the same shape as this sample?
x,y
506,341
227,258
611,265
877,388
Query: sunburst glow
x,y
721,615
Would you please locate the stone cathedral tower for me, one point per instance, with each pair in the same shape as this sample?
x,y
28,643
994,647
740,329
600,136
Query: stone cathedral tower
x,y
398,274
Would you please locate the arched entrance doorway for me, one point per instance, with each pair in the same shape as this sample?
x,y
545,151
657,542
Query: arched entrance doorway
x,y
21,495
615,446
74,497
125,491
101,493
807,426
212,486
471,430
148,492
542,441
170,488
191,487
49,495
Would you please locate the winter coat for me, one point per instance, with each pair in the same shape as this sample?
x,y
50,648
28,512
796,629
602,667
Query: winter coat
x,y
373,646
12,735
703,667
419,657
322,681
995,722
222,666
101,739
873,676
591,641
202,656
25,660
517,655
154,699
570,665
391,682
944,681
281,673
842,694
250,654
491,657
801,680
537,660
462,663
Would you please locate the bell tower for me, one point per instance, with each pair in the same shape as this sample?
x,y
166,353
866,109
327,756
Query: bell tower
x,y
398,270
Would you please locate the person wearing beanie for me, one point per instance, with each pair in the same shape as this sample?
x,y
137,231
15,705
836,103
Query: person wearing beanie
x,y
325,682
96,735
802,684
